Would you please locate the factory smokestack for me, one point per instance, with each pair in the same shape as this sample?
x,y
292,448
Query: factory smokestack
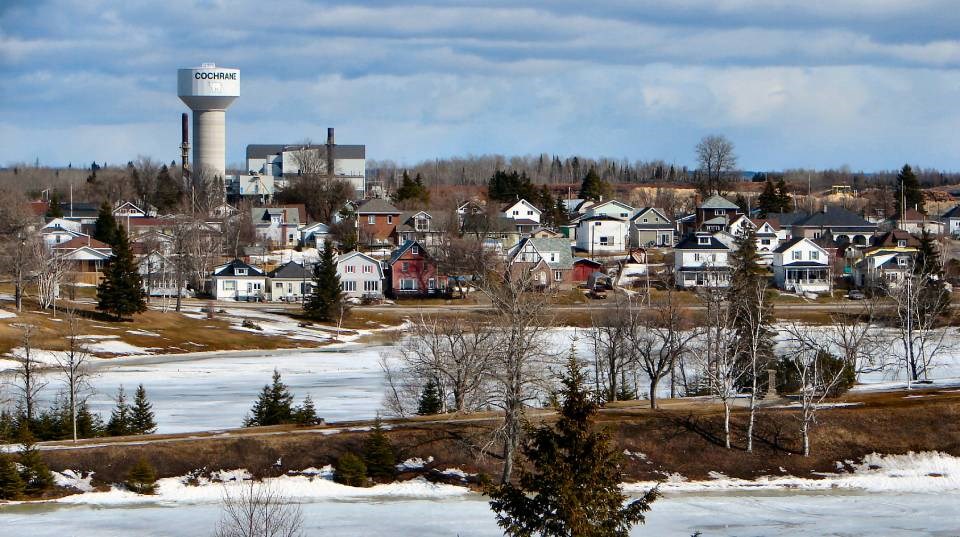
x,y
184,149
330,161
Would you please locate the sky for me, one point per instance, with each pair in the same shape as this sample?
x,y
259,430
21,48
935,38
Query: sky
x,y
869,84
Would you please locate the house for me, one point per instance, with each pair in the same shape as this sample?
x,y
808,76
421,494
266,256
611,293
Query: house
x,y
361,276
60,230
127,209
377,221
887,261
801,266
951,221
602,234
550,261
700,260
614,208
253,186
423,227
716,213
314,235
583,268
769,235
650,226
498,233
159,275
289,282
914,221
84,256
545,233
278,226
843,225
522,211
413,272
238,281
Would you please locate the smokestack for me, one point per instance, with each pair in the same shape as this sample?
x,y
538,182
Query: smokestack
x,y
184,148
330,161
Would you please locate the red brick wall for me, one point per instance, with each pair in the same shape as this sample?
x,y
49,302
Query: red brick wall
x,y
381,229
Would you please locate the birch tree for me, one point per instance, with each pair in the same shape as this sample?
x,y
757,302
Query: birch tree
x,y
50,267
73,366
28,375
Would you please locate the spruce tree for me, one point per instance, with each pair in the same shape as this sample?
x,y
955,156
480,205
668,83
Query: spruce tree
x,y
768,201
378,454
306,414
11,486
142,478
350,471
273,407
169,191
55,208
909,193
572,483
142,420
431,399
741,202
746,303
593,187
119,424
326,300
786,202
932,295
105,228
121,291
34,473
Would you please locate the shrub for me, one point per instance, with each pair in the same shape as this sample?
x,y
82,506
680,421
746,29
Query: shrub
x,y
142,478
828,366
351,471
378,454
11,486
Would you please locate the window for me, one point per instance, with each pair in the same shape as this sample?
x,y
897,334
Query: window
x,y
367,269
696,257
902,261
558,275
703,240
371,220
516,213
604,241
241,272
431,284
279,285
596,223
553,257
718,212
529,213
405,266
348,285
797,255
765,242
644,220
415,250
408,284
389,218
902,244
350,269
624,215
373,286
814,255
229,285
422,224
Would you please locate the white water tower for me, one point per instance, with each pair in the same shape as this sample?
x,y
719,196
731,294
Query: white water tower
x,y
208,90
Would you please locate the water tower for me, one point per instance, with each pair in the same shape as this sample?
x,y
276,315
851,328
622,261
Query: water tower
x,y
208,90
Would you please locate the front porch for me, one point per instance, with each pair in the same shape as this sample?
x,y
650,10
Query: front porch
x,y
807,280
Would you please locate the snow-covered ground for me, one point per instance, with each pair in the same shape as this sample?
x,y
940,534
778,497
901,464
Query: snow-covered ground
x,y
890,496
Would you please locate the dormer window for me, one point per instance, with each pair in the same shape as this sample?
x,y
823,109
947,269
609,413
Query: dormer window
x,y
902,261
718,212
415,250
624,215
705,241
902,244
241,272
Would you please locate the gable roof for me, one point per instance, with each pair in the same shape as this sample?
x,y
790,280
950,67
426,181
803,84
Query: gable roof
x,y
398,253
954,212
835,217
667,223
593,208
230,269
82,242
718,202
543,244
520,201
288,215
795,241
291,270
354,254
692,242
376,206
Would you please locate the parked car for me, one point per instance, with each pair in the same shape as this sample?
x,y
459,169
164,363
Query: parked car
x,y
856,294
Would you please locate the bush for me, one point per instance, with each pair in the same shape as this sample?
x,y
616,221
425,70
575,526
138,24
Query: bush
x,y
829,365
378,454
11,486
351,471
142,478
34,473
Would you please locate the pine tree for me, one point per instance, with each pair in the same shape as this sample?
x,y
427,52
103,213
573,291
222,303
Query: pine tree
x,y
768,201
142,420
306,414
747,276
326,300
350,471
741,202
378,454
105,228
119,424
55,207
142,478
932,295
431,399
121,291
273,407
786,202
572,483
909,193
34,473
89,425
169,192
593,187
11,486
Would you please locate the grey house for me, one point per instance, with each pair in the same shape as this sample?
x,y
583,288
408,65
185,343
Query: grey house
x,y
289,282
651,227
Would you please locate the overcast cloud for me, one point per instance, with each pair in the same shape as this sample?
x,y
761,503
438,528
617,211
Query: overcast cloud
x,y
866,83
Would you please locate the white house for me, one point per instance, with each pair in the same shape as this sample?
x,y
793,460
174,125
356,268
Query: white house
x,y
614,208
60,231
361,276
700,260
289,282
951,221
128,209
238,281
602,234
801,266
314,235
522,210
277,225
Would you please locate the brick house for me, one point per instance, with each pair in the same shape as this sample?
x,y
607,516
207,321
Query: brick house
x,y
377,221
414,272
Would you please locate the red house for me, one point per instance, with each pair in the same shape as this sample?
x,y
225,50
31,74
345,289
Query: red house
x,y
413,272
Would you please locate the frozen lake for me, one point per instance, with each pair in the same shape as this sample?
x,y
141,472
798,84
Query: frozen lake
x,y
847,514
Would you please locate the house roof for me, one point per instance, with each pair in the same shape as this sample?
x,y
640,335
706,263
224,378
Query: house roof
x,y
230,269
288,215
836,217
691,242
601,217
348,256
891,238
395,256
81,242
759,222
952,213
520,201
788,219
801,264
718,202
291,270
541,245
587,261
715,221
376,206
913,215
789,244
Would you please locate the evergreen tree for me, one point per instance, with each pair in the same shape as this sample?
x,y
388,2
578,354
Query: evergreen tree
x,y
142,420
273,407
120,417
593,187
121,291
89,425
412,190
572,484
741,202
169,191
431,399
306,414
142,478
105,228
510,186
326,301
768,201
378,454
746,278
909,193
786,202
351,471
546,203
11,486
34,473
55,207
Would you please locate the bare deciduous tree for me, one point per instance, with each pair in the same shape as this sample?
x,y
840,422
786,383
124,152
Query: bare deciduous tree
x,y
922,330
258,511
661,341
49,268
72,364
28,376
716,160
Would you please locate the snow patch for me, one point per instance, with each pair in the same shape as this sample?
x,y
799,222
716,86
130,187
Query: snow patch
x,y
74,480
415,463
4,314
